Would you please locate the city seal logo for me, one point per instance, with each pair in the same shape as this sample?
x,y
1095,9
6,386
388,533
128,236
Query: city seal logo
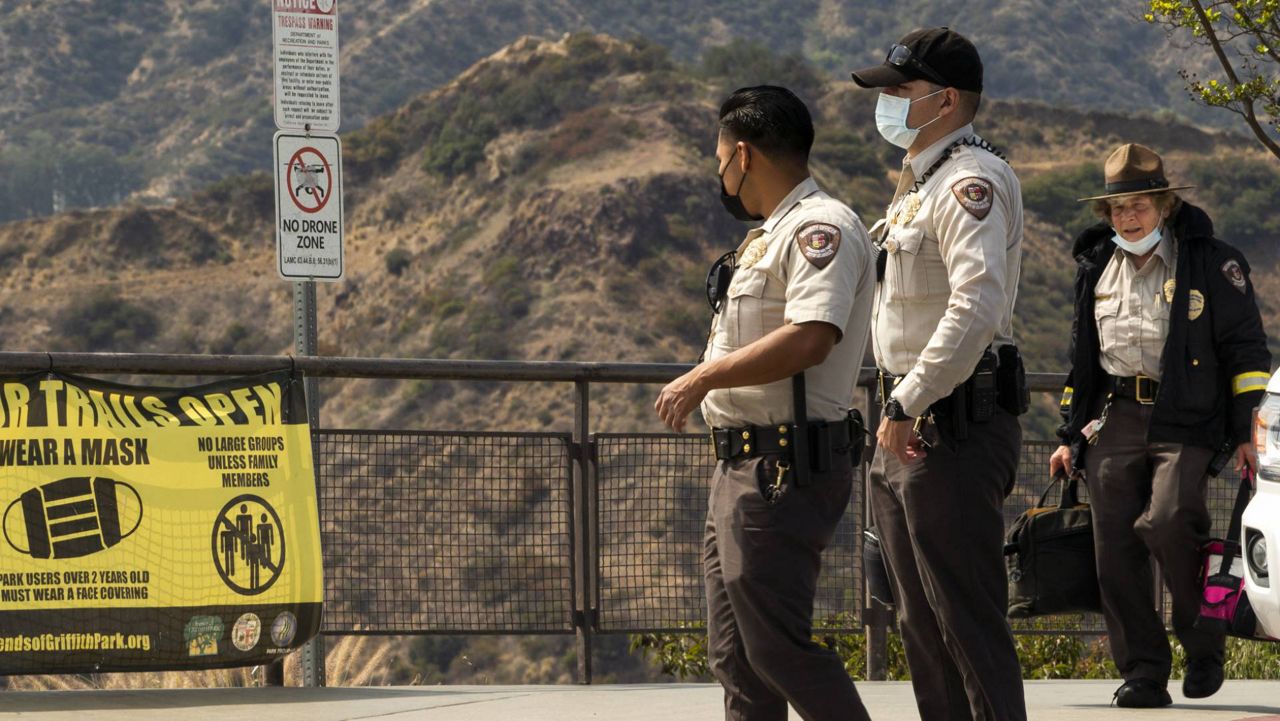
x,y
246,632
818,243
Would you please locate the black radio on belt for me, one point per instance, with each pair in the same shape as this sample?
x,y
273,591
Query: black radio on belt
x,y
981,389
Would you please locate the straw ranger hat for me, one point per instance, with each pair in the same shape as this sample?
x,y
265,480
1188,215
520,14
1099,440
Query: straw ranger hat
x,y
1134,170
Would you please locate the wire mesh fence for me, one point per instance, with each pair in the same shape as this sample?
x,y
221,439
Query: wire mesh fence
x,y
652,493
446,532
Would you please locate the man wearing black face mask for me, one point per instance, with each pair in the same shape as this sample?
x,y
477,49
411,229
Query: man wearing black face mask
x,y
786,344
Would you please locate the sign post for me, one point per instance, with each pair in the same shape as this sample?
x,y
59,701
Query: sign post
x,y
308,175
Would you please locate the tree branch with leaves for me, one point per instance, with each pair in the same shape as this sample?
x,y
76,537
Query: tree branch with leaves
x,y
1244,36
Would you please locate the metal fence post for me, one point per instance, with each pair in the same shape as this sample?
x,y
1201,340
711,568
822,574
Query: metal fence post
x,y
876,617
306,343
584,616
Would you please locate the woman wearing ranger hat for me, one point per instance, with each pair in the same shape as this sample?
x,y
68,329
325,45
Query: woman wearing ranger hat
x,y
1168,360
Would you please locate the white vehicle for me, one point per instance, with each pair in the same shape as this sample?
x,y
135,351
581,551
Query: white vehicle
x,y
1261,527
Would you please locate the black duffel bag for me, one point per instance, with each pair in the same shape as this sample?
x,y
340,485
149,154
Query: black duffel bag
x,y
1049,553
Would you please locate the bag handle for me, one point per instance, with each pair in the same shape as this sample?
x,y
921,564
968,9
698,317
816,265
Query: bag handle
x,y
1230,544
1070,492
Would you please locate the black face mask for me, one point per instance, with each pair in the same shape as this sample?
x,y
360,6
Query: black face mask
x,y
733,203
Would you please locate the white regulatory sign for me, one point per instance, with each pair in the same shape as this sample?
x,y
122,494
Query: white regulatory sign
x,y
305,38
308,206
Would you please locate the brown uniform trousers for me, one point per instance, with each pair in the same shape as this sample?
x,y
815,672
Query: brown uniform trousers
x,y
942,534
761,562
1148,499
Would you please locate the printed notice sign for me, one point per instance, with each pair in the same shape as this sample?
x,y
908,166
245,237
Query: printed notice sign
x,y
152,528
305,40
308,172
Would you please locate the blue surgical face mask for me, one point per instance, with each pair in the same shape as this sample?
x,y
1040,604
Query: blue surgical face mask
x,y
1139,247
891,119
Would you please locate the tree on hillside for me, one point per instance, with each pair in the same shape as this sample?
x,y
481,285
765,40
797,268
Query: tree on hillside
x,y
1244,36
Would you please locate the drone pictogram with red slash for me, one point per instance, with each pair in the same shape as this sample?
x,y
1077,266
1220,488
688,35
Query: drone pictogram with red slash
x,y
309,180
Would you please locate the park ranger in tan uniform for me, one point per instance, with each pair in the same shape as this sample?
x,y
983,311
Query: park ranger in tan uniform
x,y
1169,359
951,380
786,344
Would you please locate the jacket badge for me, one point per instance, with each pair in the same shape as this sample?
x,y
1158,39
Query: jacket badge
x,y
1235,275
1196,307
1169,286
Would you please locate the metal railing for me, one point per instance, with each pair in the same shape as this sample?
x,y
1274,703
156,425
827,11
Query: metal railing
x,y
465,532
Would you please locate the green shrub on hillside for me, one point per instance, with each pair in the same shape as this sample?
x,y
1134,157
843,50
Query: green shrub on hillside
x,y
749,62
103,321
1240,196
1053,195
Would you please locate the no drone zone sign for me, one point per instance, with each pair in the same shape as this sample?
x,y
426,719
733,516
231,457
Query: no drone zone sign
x,y
308,173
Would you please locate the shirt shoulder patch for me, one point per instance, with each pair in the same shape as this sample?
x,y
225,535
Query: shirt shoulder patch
x,y
1235,275
975,195
818,242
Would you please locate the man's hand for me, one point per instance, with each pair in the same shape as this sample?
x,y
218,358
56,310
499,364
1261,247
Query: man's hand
x,y
1247,457
678,399
900,439
1060,461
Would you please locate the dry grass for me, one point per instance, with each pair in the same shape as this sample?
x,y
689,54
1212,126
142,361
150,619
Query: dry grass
x,y
350,661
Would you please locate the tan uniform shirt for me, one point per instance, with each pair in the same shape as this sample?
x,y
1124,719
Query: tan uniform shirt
x,y
810,261
1131,306
951,276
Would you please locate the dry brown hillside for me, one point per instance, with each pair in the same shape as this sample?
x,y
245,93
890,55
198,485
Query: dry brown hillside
x,y
555,202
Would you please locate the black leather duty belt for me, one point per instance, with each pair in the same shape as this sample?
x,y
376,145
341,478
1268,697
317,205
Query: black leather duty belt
x,y
738,443
1139,388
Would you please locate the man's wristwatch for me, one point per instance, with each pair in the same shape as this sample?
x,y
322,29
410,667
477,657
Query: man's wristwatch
x,y
894,412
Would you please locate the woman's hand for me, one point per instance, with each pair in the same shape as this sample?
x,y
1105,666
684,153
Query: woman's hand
x,y
1247,457
1060,461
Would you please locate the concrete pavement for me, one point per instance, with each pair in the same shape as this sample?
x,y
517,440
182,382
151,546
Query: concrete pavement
x,y
887,701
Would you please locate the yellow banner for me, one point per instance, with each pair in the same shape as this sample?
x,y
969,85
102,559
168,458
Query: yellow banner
x,y
184,520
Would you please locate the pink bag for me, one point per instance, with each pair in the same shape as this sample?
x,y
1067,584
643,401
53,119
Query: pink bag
x,y
1224,605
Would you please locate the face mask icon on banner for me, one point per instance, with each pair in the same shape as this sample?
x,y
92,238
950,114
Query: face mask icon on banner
x,y
72,517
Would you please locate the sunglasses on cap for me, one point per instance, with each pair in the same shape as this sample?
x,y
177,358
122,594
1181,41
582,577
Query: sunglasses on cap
x,y
900,56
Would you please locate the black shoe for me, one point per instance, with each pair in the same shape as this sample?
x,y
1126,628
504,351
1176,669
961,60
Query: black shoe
x,y
1203,677
1141,693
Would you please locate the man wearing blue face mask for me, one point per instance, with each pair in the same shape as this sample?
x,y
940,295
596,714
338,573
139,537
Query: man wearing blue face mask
x,y
1169,359
951,379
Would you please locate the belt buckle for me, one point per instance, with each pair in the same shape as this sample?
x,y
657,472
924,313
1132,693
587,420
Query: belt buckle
x,y
1148,398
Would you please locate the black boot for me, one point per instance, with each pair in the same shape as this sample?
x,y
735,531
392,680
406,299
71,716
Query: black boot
x,y
1141,693
1203,677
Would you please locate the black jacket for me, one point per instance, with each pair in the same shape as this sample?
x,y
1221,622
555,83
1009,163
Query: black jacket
x,y
1214,369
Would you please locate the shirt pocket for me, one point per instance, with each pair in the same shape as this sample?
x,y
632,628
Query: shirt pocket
x,y
745,321
1106,312
902,245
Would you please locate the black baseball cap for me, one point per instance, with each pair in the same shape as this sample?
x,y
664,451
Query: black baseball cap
x,y
939,55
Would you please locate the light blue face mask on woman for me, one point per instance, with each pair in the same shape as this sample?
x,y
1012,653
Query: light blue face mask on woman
x,y
1139,247
891,119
